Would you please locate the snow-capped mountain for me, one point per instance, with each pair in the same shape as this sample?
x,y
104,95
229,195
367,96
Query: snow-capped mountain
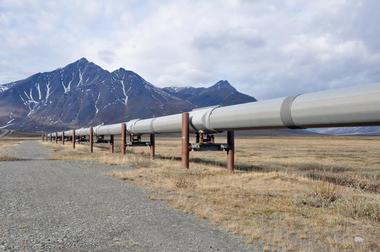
x,y
82,94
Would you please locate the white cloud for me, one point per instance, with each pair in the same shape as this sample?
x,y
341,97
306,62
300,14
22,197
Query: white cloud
x,y
265,48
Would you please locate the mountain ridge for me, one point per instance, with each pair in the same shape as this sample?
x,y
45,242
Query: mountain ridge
x,y
82,94
221,93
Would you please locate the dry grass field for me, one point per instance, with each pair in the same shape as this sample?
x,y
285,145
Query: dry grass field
x,y
288,193
4,144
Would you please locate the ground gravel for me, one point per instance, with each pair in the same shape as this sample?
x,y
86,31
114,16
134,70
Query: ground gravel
x,y
50,205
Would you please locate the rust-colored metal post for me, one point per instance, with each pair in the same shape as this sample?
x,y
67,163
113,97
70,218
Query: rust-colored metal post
x,y
112,141
185,140
231,151
123,138
56,137
73,139
91,140
152,146
63,137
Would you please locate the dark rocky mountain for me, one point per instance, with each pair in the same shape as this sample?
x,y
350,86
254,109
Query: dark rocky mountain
x,y
82,94
222,93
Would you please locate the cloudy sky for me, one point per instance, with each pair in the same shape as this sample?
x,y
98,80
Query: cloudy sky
x,y
264,48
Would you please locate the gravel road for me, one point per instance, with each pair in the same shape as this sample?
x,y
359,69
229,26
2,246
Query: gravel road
x,y
50,205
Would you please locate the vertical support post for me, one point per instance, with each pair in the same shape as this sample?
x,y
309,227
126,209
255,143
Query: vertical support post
x,y
56,137
73,139
152,146
197,137
185,140
202,137
91,140
63,137
231,151
112,147
123,138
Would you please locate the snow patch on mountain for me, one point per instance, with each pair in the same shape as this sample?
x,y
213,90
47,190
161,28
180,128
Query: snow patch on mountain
x,y
80,76
5,87
9,123
48,88
39,91
96,104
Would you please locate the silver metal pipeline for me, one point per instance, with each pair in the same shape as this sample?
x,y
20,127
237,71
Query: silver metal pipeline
x,y
107,129
356,106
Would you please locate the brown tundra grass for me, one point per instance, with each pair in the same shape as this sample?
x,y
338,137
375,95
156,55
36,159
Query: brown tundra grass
x,y
5,144
289,193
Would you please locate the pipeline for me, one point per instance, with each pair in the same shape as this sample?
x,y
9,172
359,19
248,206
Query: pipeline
x,y
357,106
344,107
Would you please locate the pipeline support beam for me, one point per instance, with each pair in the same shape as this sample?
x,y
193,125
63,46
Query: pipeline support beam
x,y
91,140
112,142
152,146
123,138
73,139
185,140
230,151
